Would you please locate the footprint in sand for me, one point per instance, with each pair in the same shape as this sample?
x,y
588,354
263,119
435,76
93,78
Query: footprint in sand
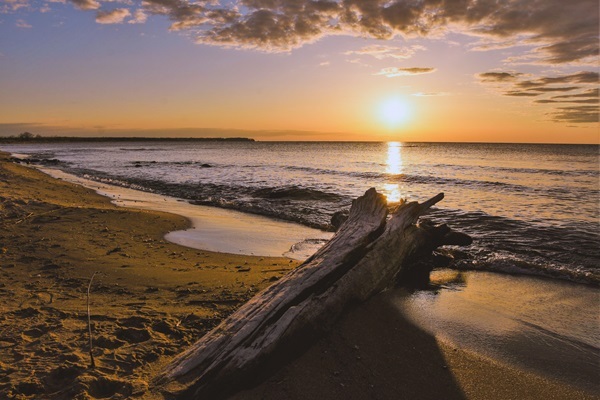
x,y
62,377
102,388
133,335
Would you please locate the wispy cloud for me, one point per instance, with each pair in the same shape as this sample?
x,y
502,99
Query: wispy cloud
x,y
431,94
576,114
10,6
499,76
521,94
139,17
585,101
394,71
22,24
556,33
516,85
579,77
381,52
116,16
554,89
587,93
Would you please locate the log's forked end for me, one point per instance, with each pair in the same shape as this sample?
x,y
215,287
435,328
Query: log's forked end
x,y
428,203
372,203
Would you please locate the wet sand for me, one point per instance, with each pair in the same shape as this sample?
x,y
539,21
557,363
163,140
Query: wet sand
x,y
215,229
152,298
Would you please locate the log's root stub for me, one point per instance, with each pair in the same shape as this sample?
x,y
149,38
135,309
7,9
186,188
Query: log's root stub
x,y
368,253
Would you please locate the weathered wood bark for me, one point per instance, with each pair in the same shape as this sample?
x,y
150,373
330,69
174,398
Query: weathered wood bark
x,y
367,254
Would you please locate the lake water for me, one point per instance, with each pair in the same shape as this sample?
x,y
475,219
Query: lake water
x,y
532,209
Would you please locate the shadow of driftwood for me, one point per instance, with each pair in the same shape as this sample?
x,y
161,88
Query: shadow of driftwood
x,y
372,352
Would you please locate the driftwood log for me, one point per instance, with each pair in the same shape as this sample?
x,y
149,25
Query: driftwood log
x,y
369,252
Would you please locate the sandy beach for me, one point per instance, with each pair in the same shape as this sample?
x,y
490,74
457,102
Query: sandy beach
x,y
150,299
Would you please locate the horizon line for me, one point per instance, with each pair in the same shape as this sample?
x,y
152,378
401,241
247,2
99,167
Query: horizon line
x,y
42,138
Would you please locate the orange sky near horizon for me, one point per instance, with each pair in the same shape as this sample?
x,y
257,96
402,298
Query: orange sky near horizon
x,y
94,68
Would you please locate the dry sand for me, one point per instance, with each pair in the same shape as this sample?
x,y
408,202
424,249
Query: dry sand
x,y
151,299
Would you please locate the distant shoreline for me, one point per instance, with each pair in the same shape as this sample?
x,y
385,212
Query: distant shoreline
x,y
75,139
99,139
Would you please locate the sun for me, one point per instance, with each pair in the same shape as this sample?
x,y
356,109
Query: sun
x,y
394,111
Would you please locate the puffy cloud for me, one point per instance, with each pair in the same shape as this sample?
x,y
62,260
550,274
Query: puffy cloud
x,y
555,33
394,71
139,17
86,4
116,16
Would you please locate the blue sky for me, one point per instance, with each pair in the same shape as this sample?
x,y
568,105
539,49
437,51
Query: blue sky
x,y
461,70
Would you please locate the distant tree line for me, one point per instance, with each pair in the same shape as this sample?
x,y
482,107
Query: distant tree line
x,y
25,136
30,137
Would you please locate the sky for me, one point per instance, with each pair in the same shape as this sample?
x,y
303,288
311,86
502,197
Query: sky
x,y
375,70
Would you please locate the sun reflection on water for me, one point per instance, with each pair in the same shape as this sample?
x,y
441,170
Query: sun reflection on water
x,y
392,192
394,158
393,166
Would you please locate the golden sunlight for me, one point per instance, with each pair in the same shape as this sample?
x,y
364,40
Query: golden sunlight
x,y
394,158
393,166
392,192
394,111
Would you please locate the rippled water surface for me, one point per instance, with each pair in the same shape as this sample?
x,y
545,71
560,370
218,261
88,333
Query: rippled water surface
x,y
531,208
